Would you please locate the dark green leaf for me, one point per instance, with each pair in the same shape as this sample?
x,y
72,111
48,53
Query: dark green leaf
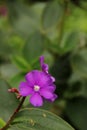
x,y
37,119
24,19
34,46
78,86
52,47
79,63
69,42
5,49
77,112
83,91
8,101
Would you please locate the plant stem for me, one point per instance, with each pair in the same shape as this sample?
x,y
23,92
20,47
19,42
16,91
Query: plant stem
x,y
13,115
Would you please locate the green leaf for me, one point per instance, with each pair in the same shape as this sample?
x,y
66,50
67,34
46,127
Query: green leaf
x,y
37,119
78,86
83,4
69,42
52,14
16,8
52,47
77,112
83,91
8,101
24,19
79,63
21,63
24,26
5,49
2,123
34,47
14,81
8,70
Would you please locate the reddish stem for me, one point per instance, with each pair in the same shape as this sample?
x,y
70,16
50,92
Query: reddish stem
x,y
13,115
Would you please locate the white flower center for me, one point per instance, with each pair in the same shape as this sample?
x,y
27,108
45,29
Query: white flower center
x,y
36,88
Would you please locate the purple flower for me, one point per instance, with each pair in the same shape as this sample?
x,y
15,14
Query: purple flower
x,y
39,85
45,67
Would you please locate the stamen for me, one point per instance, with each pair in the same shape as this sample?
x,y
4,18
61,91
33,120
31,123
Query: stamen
x,y
36,87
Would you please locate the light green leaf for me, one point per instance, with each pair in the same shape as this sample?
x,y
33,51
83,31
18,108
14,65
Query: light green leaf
x,y
37,119
21,63
2,123
14,81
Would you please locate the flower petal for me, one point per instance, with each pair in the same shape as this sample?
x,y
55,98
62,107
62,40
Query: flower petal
x,y
45,68
36,100
41,60
24,89
44,79
51,88
53,79
46,93
53,98
40,78
30,78
43,65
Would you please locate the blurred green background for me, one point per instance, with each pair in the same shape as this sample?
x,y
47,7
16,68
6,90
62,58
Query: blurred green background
x,y
56,29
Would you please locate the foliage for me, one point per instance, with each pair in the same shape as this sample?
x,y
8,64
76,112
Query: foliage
x,y
56,29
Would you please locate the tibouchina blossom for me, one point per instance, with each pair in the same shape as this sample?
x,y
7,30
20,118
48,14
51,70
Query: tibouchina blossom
x,y
39,85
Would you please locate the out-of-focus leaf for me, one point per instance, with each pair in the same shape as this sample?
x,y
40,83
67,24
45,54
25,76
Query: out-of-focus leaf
x,y
21,63
38,9
21,18
69,42
25,19
74,78
83,91
79,63
16,43
5,48
77,112
2,123
24,26
8,70
37,119
81,3
8,101
61,68
52,14
34,46
78,86
14,81
12,10
16,8
52,47
84,4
